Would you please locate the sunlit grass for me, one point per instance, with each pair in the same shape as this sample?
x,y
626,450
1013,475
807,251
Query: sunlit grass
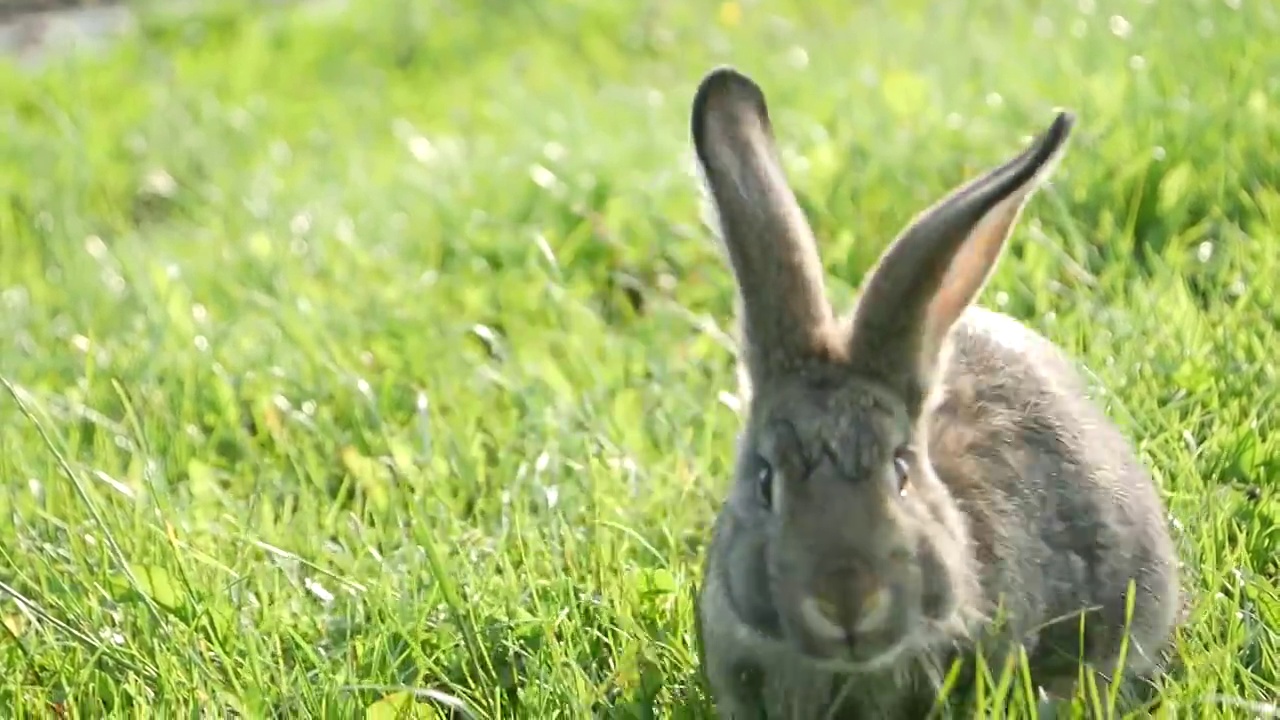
x,y
351,350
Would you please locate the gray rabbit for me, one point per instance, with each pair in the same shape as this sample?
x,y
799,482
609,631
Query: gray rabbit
x,y
913,472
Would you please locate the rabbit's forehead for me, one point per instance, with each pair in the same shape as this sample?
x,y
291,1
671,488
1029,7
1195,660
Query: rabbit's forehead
x,y
856,417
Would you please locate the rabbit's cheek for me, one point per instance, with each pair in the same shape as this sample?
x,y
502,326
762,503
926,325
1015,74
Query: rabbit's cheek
x,y
941,578
750,586
938,601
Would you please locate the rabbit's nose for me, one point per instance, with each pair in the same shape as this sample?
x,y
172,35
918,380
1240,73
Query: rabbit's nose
x,y
877,606
826,619
822,617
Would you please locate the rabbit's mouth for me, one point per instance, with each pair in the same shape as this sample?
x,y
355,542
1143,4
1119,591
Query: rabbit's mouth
x,y
863,661
876,636
855,659
776,640
892,625
866,662
843,658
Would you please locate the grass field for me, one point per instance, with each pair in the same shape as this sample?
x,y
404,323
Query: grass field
x,y
349,350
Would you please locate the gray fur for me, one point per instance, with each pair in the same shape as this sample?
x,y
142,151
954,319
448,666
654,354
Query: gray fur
x,y
1022,499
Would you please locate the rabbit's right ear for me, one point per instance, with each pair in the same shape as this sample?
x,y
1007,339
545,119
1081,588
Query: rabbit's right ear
x,y
785,313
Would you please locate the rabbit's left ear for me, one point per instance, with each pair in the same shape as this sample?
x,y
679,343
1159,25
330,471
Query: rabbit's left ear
x,y
939,264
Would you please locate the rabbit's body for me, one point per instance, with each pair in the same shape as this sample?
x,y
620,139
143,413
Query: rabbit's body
x,y
912,472
1012,436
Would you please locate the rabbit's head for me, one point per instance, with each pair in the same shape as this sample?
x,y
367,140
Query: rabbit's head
x,y
854,551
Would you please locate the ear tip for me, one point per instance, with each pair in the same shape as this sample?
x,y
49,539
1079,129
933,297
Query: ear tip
x,y
725,89
728,82
1063,123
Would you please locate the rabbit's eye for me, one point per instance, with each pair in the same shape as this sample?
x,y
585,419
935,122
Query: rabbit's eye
x,y
902,467
764,482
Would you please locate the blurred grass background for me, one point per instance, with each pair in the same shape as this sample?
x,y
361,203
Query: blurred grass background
x,y
353,347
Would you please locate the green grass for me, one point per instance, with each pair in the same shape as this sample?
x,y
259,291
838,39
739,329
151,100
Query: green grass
x,y
385,346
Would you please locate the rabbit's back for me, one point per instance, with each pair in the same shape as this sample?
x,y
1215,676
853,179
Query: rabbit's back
x,y
1061,512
